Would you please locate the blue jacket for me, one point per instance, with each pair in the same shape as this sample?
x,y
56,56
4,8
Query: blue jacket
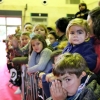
x,y
86,49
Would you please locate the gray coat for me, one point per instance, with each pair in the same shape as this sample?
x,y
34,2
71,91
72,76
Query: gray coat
x,y
40,61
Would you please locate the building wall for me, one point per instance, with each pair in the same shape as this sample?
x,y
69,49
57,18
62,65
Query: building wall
x,y
54,8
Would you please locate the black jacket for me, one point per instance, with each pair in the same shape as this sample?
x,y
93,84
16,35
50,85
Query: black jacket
x,y
85,12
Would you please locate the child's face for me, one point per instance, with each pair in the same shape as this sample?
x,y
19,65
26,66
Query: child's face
x,y
57,58
77,35
24,40
70,82
90,23
28,28
37,45
40,30
51,38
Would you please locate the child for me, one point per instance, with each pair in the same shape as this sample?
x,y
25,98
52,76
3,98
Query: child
x,y
46,78
75,81
61,25
40,56
53,39
24,39
40,29
14,69
28,27
23,51
78,33
39,60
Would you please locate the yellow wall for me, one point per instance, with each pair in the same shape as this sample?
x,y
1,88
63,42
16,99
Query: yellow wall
x,y
54,8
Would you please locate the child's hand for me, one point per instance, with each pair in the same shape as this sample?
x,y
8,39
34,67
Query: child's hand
x,y
57,91
30,74
26,66
41,74
50,77
40,83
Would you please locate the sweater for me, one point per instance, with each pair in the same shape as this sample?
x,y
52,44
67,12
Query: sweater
x,y
40,61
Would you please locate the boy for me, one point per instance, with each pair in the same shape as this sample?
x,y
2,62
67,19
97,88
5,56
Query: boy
x,y
75,81
46,78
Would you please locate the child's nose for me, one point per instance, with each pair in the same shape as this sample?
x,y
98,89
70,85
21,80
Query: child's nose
x,y
75,34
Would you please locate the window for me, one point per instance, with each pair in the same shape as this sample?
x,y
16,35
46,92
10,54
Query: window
x,y
8,26
2,32
9,20
2,21
13,21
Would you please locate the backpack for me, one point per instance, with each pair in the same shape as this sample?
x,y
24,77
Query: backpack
x,y
15,73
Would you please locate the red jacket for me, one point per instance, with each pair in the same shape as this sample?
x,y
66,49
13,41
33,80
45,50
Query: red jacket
x,y
97,50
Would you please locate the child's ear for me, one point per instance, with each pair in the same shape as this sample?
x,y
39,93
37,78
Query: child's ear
x,y
83,74
87,37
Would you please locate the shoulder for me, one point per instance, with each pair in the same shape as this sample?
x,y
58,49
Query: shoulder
x,y
46,50
87,94
87,44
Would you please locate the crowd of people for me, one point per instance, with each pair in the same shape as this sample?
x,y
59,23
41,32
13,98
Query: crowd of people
x,y
66,58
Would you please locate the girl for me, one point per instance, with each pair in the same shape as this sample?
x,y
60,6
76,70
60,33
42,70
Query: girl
x,y
53,39
24,39
40,29
40,56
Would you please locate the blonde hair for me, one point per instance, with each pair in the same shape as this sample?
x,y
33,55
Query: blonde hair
x,y
41,25
62,45
27,33
78,22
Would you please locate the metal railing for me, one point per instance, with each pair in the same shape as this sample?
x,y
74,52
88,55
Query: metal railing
x,y
30,88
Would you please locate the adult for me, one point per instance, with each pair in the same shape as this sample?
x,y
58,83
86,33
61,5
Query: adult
x,y
83,11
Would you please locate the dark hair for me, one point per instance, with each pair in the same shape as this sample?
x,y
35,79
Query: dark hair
x,y
95,16
62,23
72,63
83,4
50,29
54,34
40,38
28,23
54,54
